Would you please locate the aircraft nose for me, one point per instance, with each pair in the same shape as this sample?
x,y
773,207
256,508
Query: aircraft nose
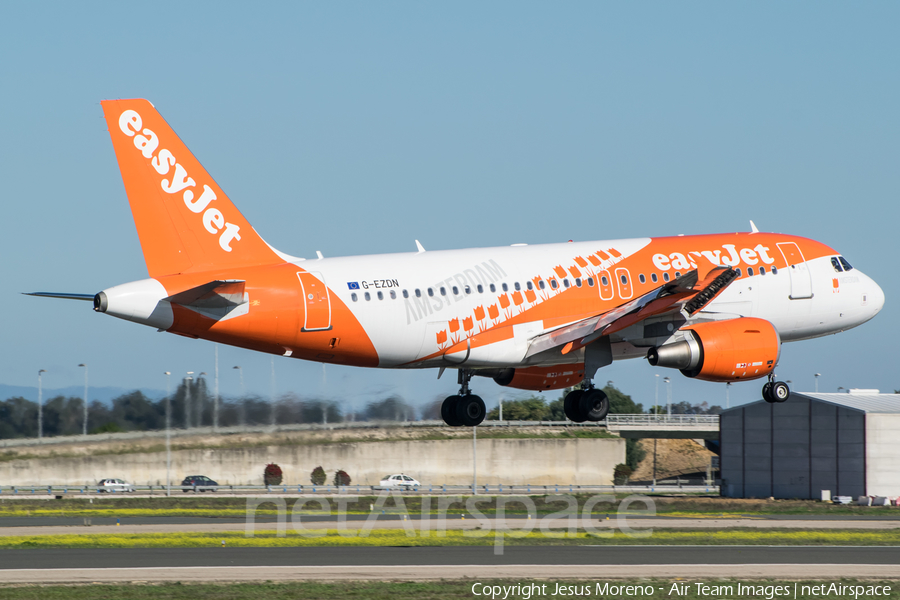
x,y
875,300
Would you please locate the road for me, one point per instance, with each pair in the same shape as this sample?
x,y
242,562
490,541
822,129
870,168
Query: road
x,y
525,563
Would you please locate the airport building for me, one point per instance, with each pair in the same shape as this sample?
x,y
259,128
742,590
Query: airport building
x,y
848,444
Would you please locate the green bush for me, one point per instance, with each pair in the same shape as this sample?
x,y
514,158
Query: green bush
x,y
621,473
318,476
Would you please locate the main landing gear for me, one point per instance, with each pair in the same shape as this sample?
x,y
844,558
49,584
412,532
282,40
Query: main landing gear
x,y
465,409
586,404
775,391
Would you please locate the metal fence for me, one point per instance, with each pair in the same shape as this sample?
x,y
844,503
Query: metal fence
x,y
658,420
292,490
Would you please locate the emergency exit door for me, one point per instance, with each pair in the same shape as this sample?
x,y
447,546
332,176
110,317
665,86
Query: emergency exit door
x,y
316,301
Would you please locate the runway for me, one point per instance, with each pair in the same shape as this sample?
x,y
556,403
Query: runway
x,y
586,563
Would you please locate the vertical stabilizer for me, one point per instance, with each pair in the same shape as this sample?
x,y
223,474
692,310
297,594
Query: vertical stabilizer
x,y
184,220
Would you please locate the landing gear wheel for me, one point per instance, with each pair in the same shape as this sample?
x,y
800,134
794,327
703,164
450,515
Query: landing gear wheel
x,y
448,411
593,405
767,392
470,410
780,391
570,406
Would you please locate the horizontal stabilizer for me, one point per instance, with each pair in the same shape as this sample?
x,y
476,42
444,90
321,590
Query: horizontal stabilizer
x,y
215,295
86,297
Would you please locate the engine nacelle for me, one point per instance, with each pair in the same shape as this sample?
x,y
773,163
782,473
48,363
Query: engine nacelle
x,y
733,350
541,378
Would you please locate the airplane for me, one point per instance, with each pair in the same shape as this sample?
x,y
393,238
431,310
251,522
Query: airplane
x,y
533,317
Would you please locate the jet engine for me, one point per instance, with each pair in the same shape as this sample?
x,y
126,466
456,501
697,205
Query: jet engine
x,y
733,350
541,378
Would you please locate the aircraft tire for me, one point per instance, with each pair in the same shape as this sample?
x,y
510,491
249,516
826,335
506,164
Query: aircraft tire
x,y
593,405
448,411
570,406
780,391
767,392
470,410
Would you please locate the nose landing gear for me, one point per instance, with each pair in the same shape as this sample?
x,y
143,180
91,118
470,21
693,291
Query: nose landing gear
x,y
586,404
464,409
775,391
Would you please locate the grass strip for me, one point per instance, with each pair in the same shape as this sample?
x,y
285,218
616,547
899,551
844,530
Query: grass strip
x,y
432,590
393,537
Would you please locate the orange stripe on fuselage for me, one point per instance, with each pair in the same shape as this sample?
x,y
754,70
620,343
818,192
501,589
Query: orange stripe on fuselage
x,y
566,305
274,319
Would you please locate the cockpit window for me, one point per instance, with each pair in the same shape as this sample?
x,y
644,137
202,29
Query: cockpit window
x,y
846,265
836,264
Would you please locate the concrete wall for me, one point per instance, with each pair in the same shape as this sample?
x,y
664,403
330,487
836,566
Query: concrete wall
x,y
436,462
883,454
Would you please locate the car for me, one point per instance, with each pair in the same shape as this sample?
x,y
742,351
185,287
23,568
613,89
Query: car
x,y
199,483
399,480
114,485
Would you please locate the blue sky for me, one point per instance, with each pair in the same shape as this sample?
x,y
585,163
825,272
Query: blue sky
x,y
355,128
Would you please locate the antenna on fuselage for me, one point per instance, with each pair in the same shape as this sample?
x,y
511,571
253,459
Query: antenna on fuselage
x,y
420,247
753,228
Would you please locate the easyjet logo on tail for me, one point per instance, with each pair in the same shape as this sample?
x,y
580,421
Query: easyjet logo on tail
x,y
147,142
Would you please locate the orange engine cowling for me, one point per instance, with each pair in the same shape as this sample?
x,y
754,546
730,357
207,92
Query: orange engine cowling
x,y
744,348
541,378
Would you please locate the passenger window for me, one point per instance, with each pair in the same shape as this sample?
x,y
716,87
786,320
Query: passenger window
x,y
642,278
431,291
750,271
480,289
553,284
762,270
774,270
566,282
604,280
468,289
578,282
443,291
529,285
590,282
455,290
845,264
505,287
623,279
836,264
380,296
738,271
367,296
541,284
493,288
418,293
517,286
405,294
354,297
677,274
653,277
394,295
665,276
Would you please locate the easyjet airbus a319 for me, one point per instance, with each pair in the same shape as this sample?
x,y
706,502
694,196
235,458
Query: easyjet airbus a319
x,y
716,307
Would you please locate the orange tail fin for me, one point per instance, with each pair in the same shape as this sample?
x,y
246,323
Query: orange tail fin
x,y
184,220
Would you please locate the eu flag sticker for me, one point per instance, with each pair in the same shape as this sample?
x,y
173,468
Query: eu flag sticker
x,y
353,285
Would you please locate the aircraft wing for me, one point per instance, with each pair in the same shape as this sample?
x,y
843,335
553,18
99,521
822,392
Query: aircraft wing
x,y
686,294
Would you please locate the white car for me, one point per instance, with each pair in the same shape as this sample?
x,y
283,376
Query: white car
x,y
114,485
399,480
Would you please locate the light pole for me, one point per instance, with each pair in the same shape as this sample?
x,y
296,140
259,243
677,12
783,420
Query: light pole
x,y
656,402
168,435
187,399
216,392
817,375
242,417
272,412
40,406
84,427
727,396
200,399
668,396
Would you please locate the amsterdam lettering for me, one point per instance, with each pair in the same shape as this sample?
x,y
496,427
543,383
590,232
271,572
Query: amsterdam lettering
x,y
211,218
